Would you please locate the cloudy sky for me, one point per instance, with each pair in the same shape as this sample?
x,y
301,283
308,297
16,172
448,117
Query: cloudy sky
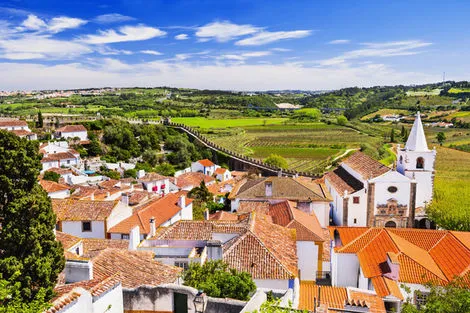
x,y
234,45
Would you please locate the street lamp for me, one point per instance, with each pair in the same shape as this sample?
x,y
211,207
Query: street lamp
x,y
200,302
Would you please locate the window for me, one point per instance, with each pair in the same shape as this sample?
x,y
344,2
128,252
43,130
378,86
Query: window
x,y
355,221
182,264
401,159
420,298
125,236
86,226
420,162
392,189
77,251
356,200
68,161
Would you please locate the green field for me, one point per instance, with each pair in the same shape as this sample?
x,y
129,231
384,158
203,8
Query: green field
x,y
462,115
420,93
206,123
459,90
384,112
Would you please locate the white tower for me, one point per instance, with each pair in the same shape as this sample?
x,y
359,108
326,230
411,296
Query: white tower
x,y
417,161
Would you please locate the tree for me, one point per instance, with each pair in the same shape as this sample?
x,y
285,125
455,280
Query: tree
x,y
307,115
94,147
57,123
201,193
452,298
392,135
216,279
441,137
150,156
165,169
132,173
276,160
341,120
30,257
52,176
40,122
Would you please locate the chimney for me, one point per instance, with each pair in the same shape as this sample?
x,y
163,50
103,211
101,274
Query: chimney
x,y
153,229
134,238
78,270
182,201
214,249
92,197
140,174
268,188
206,214
125,198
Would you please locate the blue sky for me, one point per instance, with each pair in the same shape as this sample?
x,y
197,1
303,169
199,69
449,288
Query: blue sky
x,y
234,45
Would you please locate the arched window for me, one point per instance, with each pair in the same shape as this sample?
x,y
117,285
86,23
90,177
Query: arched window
x,y
391,224
420,162
401,159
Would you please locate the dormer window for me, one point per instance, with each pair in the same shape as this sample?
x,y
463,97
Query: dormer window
x,y
420,163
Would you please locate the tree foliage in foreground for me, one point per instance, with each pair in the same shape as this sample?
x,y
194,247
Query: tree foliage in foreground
x,y
216,279
453,298
30,257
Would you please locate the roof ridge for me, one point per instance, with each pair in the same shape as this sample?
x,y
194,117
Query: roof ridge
x,y
301,184
427,269
457,238
359,237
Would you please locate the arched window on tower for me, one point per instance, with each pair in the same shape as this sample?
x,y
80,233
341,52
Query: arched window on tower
x,y
420,162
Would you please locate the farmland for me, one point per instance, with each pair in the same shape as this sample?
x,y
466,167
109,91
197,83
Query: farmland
x,y
205,123
384,112
459,90
462,115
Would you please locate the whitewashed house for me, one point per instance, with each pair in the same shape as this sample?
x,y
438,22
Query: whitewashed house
x,y
222,174
19,128
398,263
205,166
161,212
55,190
72,131
61,159
155,183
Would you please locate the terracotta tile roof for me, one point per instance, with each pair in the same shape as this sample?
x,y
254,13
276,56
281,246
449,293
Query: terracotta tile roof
x,y
307,226
58,156
282,188
71,128
110,184
200,230
10,123
68,241
206,163
220,170
21,132
161,209
52,186
82,210
218,188
134,268
63,301
60,171
223,216
250,206
137,197
149,177
423,255
463,237
342,181
192,179
316,185
365,165
93,246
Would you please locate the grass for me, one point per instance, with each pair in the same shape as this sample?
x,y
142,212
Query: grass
x,y
451,205
461,115
226,123
459,90
384,112
420,93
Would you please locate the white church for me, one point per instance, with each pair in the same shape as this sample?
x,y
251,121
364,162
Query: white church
x,y
367,193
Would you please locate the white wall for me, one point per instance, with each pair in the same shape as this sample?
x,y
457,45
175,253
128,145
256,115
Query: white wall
x,y
187,212
412,289
307,255
82,304
322,211
48,165
75,228
363,282
198,167
357,211
62,194
281,284
149,186
345,269
120,212
113,298
81,134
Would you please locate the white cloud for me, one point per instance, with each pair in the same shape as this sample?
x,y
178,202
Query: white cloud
x,y
58,24
39,47
112,18
383,49
104,50
182,37
243,56
125,33
55,25
281,49
256,54
224,31
339,41
111,72
265,37
33,22
151,52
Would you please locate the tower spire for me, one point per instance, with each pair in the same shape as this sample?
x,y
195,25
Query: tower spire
x,y
417,140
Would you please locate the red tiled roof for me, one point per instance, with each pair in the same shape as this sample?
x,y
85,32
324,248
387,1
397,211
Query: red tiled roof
x,y
206,162
60,171
82,210
52,186
199,230
342,181
110,184
161,209
220,170
365,165
67,240
223,216
133,268
250,206
149,177
20,132
192,179
71,129
58,156
10,123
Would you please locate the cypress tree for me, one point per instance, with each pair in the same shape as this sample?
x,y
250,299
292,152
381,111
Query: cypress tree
x,y
30,257
40,120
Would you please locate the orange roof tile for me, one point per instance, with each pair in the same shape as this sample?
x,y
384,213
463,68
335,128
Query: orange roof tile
x,y
342,181
366,166
224,216
250,206
220,170
386,287
67,240
192,179
161,209
206,162
82,210
71,129
451,255
58,156
10,123
52,186
149,177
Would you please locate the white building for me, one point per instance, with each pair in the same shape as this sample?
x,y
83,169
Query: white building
x,y
155,183
72,131
366,193
222,174
19,128
55,190
161,212
59,155
205,166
